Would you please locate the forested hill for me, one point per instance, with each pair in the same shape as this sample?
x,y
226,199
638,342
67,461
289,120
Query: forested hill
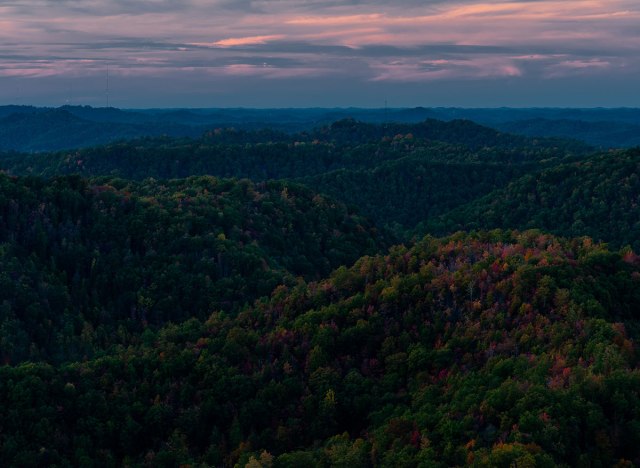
x,y
397,174
459,132
88,264
401,194
266,154
56,129
500,349
166,302
90,126
601,134
598,196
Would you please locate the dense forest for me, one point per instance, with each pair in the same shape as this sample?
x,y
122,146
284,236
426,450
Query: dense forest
x,y
493,349
86,264
354,294
596,196
28,128
426,169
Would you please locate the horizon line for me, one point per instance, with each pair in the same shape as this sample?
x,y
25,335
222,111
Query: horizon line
x,y
383,108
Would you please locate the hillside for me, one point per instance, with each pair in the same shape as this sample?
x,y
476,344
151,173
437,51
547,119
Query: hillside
x,y
267,154
56,129
599,127
398,174
497,349
600,134
165,302
597,197
87,264
402,193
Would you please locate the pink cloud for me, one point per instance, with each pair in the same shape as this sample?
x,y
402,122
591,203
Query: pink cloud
x,y
428,70
479,23
267,71
47,68
550,29
346,20
573,67
241,41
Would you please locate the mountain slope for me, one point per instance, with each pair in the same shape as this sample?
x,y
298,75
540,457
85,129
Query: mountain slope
x,y
85,265
495,349
398,174
597,197
407,191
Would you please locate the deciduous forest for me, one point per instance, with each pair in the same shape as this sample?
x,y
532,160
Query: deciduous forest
x,y
433,293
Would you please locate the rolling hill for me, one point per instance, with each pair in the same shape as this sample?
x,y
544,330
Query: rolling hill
x,y
87,264
495,349
597,197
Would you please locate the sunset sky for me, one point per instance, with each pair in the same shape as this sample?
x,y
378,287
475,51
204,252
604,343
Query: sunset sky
x,y
320,53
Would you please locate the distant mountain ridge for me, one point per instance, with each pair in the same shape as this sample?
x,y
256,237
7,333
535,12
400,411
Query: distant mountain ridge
x,y
597,133
57,129
600,127
398,174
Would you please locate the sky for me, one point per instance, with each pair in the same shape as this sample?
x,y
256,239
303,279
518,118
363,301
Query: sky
x,y
320,53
